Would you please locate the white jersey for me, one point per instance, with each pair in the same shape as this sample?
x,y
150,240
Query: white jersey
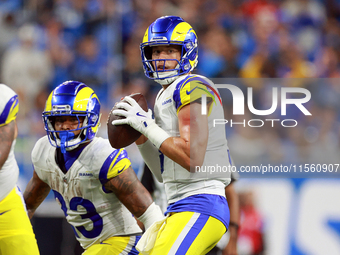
x,y
179,183
94,213
9,172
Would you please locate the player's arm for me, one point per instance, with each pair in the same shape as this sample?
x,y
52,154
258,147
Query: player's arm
x,y
150,154
188,150
130,191
233,202
7,135
36,191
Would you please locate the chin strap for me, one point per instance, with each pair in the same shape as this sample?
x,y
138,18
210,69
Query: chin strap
x,y
166,81
159,76
65,136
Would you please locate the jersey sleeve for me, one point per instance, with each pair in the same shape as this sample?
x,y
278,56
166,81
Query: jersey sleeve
x,y
191,89
116,163
9,105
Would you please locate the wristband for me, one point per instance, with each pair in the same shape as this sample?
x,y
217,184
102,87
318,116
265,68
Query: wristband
x,y
152,214
155,134
233,224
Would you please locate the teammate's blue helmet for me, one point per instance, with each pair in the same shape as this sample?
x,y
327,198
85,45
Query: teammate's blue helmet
x,y
72,98
169,30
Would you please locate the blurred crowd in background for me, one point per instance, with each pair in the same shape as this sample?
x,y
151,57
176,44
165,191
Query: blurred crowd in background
x,y
46,42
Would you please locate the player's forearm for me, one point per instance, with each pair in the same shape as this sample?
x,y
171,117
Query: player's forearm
x,y
30,212
178,150
35,193
138,200
6,140
233,203
135,197
188,154
174,148
189,149
32,203
141,205
33,200
151,156
130,192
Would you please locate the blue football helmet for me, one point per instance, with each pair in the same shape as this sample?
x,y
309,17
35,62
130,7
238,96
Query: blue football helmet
x,y
72,98
169,30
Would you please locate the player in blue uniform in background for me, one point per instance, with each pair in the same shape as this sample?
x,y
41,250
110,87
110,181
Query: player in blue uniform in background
x,y
93,182
180,141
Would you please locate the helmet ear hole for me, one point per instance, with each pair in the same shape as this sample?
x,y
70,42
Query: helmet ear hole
x,y
183,51
51,121
148,52
83,134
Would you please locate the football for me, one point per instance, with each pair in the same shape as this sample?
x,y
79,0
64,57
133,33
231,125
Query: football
x,y
121,136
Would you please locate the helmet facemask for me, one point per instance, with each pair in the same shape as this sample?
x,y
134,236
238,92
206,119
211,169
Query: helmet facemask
x,y
166,76
66,140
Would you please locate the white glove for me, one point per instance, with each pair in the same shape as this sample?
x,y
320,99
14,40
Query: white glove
x,y
140,120
134,115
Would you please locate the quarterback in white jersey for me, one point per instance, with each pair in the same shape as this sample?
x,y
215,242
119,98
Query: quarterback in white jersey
x,y
181,144
94,183
168,103
16,233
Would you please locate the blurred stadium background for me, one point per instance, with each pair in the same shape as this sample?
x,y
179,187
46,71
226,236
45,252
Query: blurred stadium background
x,y
45,42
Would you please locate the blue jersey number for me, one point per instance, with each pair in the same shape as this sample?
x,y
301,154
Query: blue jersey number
x,y
91,214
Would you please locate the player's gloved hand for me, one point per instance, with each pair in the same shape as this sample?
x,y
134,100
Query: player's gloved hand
x,y
140,120
134,115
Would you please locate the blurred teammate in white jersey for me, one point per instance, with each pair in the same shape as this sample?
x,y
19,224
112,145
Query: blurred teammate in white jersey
x,y
16,233
93,182
181,143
